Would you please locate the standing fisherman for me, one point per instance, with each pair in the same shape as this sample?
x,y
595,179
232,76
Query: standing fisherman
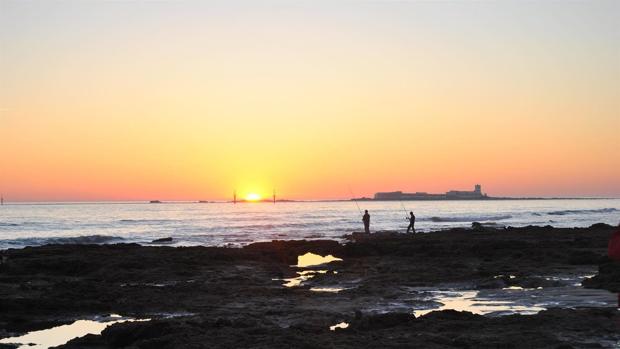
x,y
411,223
366,220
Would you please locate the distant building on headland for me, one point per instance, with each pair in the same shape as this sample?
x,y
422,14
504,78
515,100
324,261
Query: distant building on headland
x,y
476,194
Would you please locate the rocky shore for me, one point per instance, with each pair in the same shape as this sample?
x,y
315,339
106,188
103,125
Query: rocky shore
x,y
256,296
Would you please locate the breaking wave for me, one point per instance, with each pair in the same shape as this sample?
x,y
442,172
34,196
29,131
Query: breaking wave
x,y
468,219
77,240
84,240
567,212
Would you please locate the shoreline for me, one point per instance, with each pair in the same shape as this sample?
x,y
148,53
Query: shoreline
x,y
171,241
381,279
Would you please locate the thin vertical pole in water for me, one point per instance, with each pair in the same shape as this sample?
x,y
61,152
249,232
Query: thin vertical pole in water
x,y
274,196
234,197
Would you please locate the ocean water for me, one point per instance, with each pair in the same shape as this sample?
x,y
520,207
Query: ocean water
x,y
219,224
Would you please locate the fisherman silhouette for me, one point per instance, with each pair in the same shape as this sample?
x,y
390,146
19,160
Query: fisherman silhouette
x,y
411,223
366,220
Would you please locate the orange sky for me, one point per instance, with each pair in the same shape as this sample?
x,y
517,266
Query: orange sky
x,y
189,101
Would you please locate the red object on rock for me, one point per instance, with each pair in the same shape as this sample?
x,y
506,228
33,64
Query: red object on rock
x,y
614,246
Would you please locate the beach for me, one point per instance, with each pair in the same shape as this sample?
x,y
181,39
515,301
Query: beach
x,y
535,287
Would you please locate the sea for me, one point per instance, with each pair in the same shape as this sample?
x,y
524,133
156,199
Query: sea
x,y
227,224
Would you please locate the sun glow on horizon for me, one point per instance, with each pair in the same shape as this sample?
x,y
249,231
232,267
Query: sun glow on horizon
x,y
253,197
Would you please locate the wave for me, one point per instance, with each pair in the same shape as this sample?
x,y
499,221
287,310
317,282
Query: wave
x,y
147,221
468,219
567,212
84,240
76,240
8,224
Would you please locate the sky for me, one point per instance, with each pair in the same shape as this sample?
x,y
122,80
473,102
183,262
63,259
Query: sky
x,y
191,100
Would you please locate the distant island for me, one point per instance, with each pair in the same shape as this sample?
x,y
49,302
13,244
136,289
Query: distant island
x,y
476,194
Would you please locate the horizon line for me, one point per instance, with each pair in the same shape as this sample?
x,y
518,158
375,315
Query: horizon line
x,y
164,201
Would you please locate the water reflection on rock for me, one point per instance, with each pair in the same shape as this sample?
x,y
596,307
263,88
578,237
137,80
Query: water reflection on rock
x,y
60,335
310,259
341,325
471,301
516,300
302,276
327,289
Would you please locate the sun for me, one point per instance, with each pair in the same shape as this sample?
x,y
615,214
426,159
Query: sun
x,y
252,197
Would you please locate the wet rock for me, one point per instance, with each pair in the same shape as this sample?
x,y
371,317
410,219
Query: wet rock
x,y
492,283
477,226
447,329
601,226
586,257
452,315
237,303
382,321
168,239
608,277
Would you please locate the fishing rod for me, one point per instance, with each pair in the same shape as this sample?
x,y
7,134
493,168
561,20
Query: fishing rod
x,y
353,197
404,209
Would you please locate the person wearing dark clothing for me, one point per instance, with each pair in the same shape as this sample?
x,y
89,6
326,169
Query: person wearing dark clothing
x,y
366,220
411,223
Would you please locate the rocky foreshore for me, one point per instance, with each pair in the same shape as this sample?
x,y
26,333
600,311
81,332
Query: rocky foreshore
x,y
216,297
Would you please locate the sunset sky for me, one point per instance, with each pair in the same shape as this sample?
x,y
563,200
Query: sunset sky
x,y
189,100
